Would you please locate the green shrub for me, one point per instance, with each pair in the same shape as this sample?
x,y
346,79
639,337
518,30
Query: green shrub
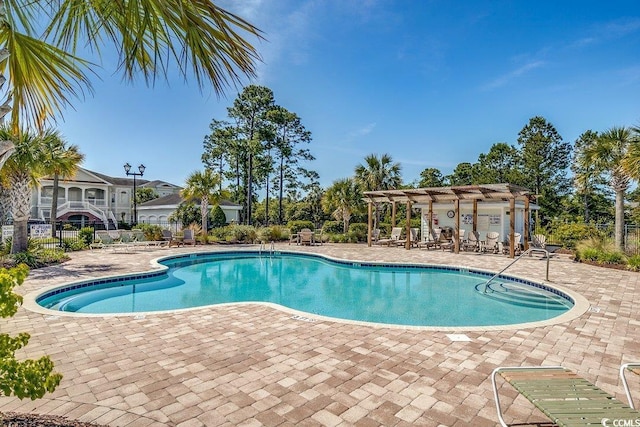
x,y
274,233
151,231
296,226
234,233
633,263
218,218
332,227
52,256
587,254
358,231
71,245
570,234
611,258
86,235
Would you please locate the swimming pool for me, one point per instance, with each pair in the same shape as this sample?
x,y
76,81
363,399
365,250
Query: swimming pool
x,y
414,295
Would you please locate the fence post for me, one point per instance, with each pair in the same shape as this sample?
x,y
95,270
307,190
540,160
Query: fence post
x,y
59,225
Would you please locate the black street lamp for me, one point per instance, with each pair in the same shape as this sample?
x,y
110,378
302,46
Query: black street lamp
x,y
141,168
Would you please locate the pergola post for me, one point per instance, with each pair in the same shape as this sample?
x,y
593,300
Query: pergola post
x,y
526,223
475,215
512,227
370,223
393,214
456,234
407,244
430,216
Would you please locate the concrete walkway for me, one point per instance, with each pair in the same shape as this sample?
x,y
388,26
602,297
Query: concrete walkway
x,y
251,364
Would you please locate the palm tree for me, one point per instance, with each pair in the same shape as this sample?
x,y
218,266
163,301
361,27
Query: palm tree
x,y
378,174
614,153
61,161
22,170
203,186
45,72
342,200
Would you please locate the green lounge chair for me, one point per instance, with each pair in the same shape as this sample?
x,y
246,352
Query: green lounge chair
x,y
567,399
629,367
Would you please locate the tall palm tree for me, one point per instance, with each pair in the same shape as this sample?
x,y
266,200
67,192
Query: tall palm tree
x,y
378,174
613,153
61,161
22,170
343,199
45,72
203,186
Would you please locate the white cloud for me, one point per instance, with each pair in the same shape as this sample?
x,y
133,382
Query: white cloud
x,y
359,133
507,78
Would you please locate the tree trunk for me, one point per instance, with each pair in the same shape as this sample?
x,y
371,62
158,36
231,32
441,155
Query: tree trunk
x,y
204,212
619,228
54,205
20,206
249,189
280,212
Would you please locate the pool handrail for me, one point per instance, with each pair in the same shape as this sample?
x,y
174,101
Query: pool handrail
x,y
528,251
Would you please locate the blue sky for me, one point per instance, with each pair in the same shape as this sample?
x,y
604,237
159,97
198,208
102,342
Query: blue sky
x,y
432,83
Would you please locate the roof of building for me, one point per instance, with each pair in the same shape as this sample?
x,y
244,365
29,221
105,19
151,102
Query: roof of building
x,y
441,194
175,199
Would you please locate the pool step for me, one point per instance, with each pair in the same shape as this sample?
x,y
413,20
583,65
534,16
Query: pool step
x,y
524,296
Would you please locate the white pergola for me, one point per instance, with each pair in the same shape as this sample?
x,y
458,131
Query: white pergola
x,y
459,194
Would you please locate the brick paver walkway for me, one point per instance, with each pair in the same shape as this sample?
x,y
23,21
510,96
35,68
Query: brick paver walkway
x,y
252,364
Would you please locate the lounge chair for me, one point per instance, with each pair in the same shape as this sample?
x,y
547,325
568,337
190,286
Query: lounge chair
x,y
140,239
112,240
414,238
564,397
189,237
169,239
506,244
633,367
491,242
305,237
433,239
473,242
395,236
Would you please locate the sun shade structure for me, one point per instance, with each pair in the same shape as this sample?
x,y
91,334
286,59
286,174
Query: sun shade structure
x,y
472,194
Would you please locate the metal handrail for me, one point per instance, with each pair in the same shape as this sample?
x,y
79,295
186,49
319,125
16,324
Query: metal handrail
x,y
528,251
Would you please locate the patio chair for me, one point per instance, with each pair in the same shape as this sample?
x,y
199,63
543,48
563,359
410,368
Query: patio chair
x,y
491,242
169,239
506,244
189,237
634,368
538,241
395,236
433,239
473,242
306,237
563,396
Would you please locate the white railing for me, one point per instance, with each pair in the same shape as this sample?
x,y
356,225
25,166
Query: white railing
x,y
46,201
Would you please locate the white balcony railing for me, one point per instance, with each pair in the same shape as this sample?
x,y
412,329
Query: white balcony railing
x,y
46,201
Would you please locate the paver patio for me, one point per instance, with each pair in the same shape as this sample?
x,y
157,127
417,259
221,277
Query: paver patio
x,y
251,364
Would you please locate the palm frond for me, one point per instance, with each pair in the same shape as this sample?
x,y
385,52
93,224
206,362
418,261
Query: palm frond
x,y
150,35
42,78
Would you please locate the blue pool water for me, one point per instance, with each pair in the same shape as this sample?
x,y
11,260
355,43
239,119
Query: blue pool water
x,y
391,294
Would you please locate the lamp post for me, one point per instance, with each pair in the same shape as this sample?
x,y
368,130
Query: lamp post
x,y
127,169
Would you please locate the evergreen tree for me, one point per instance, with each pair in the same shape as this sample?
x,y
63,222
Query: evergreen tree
x,y
545,159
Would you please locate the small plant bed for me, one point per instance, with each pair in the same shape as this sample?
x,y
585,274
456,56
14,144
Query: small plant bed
x,y
603,254
13,419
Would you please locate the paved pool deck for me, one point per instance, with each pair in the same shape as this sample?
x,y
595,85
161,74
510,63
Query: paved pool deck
x,y
253,364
